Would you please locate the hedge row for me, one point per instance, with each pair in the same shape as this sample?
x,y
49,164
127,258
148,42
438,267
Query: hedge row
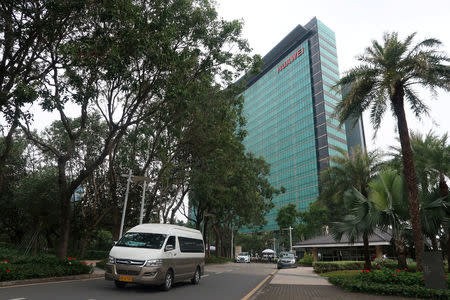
x,y
217,260
329,266
47,268
414,291
89,254
6,253
17,266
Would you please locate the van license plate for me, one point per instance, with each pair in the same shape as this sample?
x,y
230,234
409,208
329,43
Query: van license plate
x,y
126,278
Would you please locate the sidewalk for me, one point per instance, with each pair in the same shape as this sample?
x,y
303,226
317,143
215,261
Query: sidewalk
x,y
303,283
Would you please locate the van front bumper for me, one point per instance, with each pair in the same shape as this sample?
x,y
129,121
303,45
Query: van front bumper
x,y
135,274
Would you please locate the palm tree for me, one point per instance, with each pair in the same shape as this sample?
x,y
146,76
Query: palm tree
x,y
387,192
360,222
385,78
437,157
347,171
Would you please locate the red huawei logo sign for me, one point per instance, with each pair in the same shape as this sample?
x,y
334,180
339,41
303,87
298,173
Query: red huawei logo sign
x,y
290,59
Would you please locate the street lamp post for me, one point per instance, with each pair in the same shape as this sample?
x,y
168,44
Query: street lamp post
x,y
290,237
141,217
131,178
126,200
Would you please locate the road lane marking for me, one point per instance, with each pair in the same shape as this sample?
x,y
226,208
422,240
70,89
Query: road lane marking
x,y
258,286
205,275
50,282
17,299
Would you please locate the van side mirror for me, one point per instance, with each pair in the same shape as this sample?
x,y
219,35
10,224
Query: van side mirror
x,y
168,248
114,243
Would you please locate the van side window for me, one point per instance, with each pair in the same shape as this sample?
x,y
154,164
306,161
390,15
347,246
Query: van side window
x,y
191,245
171,241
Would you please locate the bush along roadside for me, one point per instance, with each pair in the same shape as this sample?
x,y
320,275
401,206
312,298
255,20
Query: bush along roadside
x,y
217,260
322,267
23,267
307,260
102,264
389,282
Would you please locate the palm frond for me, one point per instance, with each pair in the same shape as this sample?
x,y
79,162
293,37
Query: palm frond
x,y
417,106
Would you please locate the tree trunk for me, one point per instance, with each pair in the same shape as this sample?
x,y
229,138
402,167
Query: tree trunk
x,y
8,143
367,264
115,230
400,248
448,249
443,189
409,172
205,228
85,242
209,244
64,198
218,246
36,239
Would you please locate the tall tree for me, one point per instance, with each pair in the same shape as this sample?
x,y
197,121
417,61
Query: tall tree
x,y
124,59
312,221
386,77
287,216
28,29
351,171
355,169
432,161
388,194
360,222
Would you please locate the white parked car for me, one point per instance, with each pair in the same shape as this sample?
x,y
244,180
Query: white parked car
x,y
243,257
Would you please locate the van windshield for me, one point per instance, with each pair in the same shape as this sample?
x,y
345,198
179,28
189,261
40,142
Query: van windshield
x,y
142,240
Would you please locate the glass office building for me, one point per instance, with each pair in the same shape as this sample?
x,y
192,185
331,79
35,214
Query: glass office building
x,y
289,107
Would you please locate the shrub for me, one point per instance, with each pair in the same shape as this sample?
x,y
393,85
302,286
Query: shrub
x,y
16,266
102,264
414,291
388,282
90,254
381,263
217,260
329,266
343,273
307,259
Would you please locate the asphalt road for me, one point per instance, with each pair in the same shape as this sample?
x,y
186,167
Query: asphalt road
x,y
229,281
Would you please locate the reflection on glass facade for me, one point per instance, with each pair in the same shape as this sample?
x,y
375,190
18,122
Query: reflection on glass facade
x,y
289,108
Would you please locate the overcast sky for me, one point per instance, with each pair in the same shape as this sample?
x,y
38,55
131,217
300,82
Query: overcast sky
x,y
356,24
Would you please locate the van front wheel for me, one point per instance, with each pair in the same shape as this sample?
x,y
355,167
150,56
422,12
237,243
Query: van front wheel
x,y
168,281
196,278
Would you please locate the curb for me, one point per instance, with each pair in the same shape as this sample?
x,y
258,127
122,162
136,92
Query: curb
x,y
51,279
253,293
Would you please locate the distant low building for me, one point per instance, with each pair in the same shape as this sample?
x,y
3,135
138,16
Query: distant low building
x,y
326,248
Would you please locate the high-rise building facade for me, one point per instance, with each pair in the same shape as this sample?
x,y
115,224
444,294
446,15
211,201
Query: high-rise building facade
x,y
289,107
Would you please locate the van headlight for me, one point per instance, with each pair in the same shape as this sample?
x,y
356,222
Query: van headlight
x,y
153,263
111,260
